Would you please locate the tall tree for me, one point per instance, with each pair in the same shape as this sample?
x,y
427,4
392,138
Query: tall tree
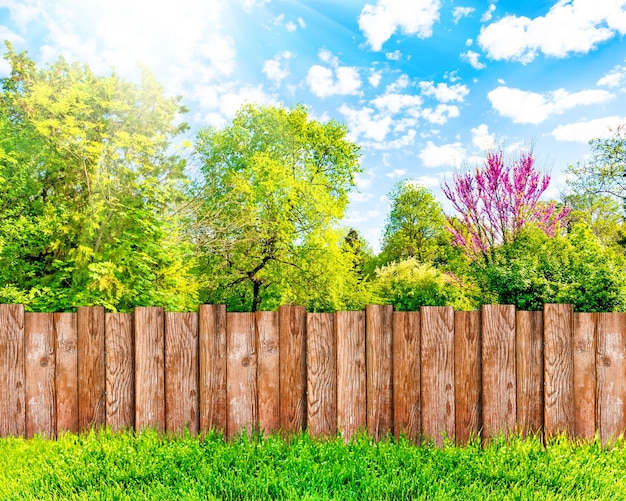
x,y
275,184
495,202
91,182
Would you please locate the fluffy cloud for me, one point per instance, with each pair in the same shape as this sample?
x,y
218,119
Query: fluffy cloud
x,y
534,108
366,123
444,155
396,173
570,26
444,93
336,80
275,69
482,139
460,12
441,113
379,22
582,132
472,57
614,78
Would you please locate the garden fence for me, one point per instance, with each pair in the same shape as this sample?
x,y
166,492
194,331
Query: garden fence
x,y
419,374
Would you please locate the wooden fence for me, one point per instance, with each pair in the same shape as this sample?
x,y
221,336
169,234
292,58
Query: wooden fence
x,y
422,374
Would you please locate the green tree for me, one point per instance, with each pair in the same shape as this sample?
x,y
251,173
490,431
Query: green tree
x,y
275,184
89,187
416,226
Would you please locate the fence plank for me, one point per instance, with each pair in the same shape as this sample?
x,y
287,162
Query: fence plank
x,y
611,375
378,359
585,375
467,375
292,340
437,362
66,352
321,374
268,367
558,369
529,361
149,368
406,375
351,377
91,370
181,372
241,367
12,383
212,387
120,374
39,370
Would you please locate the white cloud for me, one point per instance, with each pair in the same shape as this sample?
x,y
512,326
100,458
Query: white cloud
x,y
583,132
301,23
614,78
323,83
570,26
481,137
275,68
396,55
248,5
395,103
472,57
396,173
444,155
290,26
443,92
366,123
427,181
534,108
461,12
379,22
486,17
441,113
401,83
374,78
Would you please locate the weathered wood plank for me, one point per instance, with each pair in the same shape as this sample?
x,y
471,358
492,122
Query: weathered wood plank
x,y
120,373
467,375
149,368
611,375
321,374
91,369
406,375
12,378
181,373
378,360
585,375
437,362
268,370
292,334
212,387
66,352
241,389
351,374
529,361
559,412
39,368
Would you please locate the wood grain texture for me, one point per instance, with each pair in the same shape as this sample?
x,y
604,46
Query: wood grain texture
x,y
611,375
241,389
558,326
120,371
321,374
91,368
268,370
378,361
66,352
149,329
406,375
467,375
39,369
585,375
437,362
351,373
212,377
12,383
181,373
292,340
529,362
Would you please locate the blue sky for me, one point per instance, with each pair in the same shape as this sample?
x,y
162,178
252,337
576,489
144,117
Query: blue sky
x,y
425,86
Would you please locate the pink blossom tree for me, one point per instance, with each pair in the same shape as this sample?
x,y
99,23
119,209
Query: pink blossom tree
x,y
496,201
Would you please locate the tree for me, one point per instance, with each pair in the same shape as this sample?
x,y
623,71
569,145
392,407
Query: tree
x,y
605,173
90,186
275,184
494,203
416,226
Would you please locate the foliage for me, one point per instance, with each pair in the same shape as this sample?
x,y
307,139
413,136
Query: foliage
x,y
494,203
574,269
88,184
275,184
150,466
410,284
416,226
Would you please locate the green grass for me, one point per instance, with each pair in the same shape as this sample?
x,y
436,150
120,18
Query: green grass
x,y
148,465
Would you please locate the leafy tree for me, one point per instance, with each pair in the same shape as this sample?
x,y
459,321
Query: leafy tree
x,y
604,174
416,226
89,190
494,203
275,184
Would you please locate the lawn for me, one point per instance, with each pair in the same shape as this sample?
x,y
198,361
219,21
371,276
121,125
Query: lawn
x,y
149,465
